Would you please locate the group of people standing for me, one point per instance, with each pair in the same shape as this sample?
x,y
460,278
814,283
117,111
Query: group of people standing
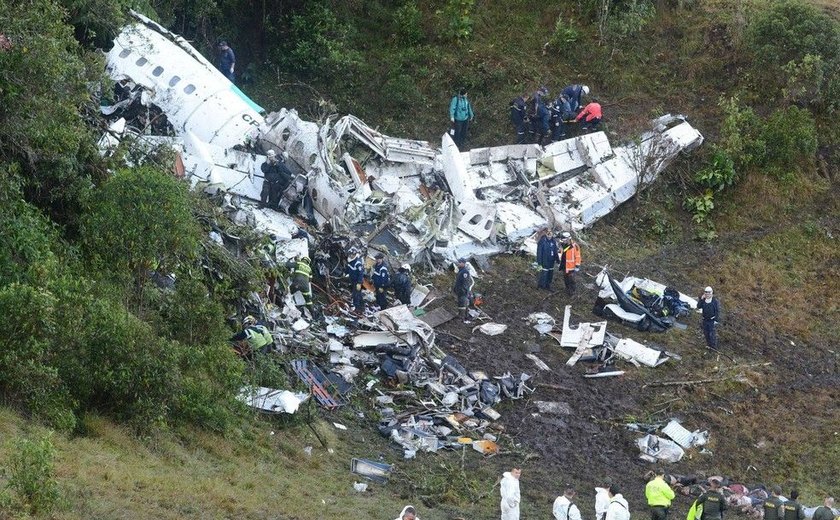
x,y
536,115
380,277
566,255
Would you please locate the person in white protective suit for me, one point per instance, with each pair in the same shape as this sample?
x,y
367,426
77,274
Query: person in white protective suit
x,y
618,508
510,494
408,513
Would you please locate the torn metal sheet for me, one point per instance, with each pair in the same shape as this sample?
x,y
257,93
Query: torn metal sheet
x,y
438,316
633,350
572,336
683,437
657,449
553,407
372,470
477,219
402,322
270,400
374,338
455,171
491,329
539,362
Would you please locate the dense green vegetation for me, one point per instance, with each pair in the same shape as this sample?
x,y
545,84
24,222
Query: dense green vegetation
x,y
86,332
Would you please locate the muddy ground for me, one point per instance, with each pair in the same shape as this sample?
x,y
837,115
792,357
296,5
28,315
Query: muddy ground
x,y
773,408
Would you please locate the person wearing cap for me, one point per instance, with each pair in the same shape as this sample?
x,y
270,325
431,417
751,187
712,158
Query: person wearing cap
x,y
463,289
519,116
773,505
659,496
227,60
569,261
590,115
561,112
254,337
564,508
402,284
713,502
574,93
709,306
381,279
276,178
356,272
460,114
617,509
547,256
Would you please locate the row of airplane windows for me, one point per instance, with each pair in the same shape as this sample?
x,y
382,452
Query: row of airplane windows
x,y
158,71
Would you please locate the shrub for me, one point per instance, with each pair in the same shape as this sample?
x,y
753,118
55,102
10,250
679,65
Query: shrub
x,y
407,23
792,138
32,476
320,43
741,134
629,18
565,33
457,15
139,221
718,174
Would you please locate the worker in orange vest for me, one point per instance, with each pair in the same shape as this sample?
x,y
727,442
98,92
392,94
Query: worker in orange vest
x,y
569,260
591,116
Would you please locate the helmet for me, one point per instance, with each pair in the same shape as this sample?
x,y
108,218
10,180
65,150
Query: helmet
x,y
566,235
305,259
462,260
249,320
271,153
585,90
406,267
708,290
379,256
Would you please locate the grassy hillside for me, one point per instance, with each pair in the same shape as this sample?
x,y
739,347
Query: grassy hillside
x,y
754,213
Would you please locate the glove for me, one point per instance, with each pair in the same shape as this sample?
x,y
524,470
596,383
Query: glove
x,y
358,287
577,269
380,290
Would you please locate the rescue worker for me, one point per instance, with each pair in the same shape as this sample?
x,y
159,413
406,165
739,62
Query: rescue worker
x,y
402,284
541,120
561,111
547,256
227,60
460,114
302,278
714,503
574,93
569,261
709,306
356,272
591,116
617,509
659,495
602,500
564,508
825,512
519,116
255,335
463,289
408,513
773,505
276,178
381,281
509,489
792,510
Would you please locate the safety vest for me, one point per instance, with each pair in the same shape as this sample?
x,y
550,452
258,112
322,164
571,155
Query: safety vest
x,y
258,336
304,269
572,252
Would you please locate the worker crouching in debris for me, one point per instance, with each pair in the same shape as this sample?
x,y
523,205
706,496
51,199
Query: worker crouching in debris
x,y
569,261
509,489
709,306
302,278
402,284
381,279
356,273
408,513
254,337
276,178
659,495
463,289
547,256
590,116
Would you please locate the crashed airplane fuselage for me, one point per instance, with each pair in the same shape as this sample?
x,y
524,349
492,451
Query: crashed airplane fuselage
x,y
402,196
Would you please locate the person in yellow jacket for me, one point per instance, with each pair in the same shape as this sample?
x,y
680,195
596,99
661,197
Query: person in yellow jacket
x,y
569,261
659,495
302,278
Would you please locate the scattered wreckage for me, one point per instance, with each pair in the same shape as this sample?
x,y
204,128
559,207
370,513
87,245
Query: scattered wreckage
x,y
406,197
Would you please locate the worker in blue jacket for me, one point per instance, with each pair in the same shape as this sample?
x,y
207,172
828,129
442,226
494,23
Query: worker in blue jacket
x,y
402,284
461,115
709,306
547,256
560,111
519,116
381,281
574,93
356,272
541,120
